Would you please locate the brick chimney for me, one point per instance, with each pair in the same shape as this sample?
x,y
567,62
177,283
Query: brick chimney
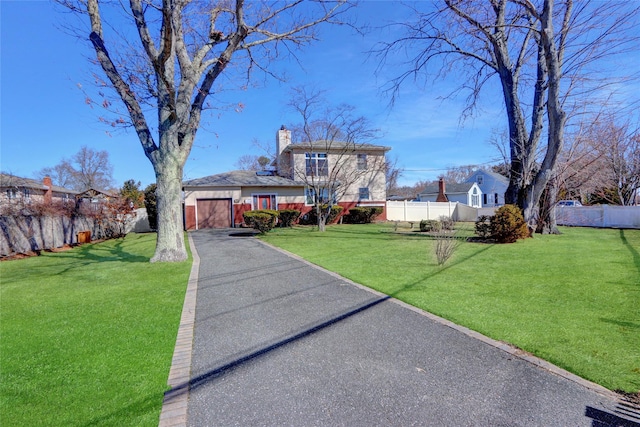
x,y
283,139
48,194
442,197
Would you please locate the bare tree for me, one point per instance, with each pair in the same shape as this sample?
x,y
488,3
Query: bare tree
x,y
251,162
88,168
332,137
541,52
165,76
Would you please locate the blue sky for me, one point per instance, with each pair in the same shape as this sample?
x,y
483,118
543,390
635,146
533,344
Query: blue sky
x,y
44,117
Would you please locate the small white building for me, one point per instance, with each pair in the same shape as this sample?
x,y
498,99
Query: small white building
x,y
468,193
493,186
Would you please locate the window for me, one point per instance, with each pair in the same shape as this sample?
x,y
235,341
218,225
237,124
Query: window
x,y
480,179
316,164
484,199
26,193
362,162
363,193
12,193
323,196
475,200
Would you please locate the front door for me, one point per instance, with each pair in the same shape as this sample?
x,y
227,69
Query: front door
x,y
264,201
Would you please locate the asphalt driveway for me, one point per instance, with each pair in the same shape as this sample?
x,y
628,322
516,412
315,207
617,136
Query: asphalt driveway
x,y
279,342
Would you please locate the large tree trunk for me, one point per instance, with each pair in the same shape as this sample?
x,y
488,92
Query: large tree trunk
x,y
170,244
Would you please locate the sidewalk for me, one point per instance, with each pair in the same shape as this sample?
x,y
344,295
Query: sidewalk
x,y
278,341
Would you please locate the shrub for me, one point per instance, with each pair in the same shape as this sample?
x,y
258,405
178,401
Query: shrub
x,y
446,245
288,217
151,205
508,225
311,218
447,223
427,225
483,226
261,220
362,215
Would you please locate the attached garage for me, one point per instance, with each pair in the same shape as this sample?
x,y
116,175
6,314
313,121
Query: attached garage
x,y
213,213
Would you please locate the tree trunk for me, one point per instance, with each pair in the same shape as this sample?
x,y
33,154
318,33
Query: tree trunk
x,y
170,244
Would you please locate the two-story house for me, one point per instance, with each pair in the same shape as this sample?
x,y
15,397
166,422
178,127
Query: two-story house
x,y
353,174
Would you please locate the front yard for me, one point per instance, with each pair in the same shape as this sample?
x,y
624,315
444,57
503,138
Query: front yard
x,y
572,299
88,335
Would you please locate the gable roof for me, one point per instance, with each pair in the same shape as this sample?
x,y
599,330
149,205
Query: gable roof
x,y
8,181
462,188
498,177
242,179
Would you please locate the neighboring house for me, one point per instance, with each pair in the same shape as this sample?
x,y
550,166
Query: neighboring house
x,y
466,193
16,190
94,199
218,201
493,186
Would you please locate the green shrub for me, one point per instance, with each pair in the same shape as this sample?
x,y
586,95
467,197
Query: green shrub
x,y
288,217
427,225
447,222
362,215
261,220
508,225
311,218
151,205
483,226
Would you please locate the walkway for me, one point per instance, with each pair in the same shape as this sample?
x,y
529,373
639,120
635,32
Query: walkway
x,y
281,342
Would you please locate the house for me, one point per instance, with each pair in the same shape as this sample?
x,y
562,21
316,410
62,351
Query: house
x,y
218,201
17,190
93,199
466,193
493,186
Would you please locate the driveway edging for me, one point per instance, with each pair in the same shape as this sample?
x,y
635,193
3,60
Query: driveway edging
x,y
174,404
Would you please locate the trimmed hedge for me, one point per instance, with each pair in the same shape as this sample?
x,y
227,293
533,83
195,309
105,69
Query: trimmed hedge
x,y
261,220
362,214
311,218
288,217
508,224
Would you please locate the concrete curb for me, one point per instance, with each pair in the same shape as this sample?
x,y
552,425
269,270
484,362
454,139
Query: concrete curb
x,y
507,348
174,404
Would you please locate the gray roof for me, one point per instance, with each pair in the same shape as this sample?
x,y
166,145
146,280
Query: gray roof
x,y
242,179
335,146
449,188
494,175
8,181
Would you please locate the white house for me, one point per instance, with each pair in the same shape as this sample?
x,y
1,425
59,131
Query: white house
x,y
493,186
468,193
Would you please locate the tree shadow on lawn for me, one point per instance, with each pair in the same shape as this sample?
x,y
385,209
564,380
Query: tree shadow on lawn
x,y
634,252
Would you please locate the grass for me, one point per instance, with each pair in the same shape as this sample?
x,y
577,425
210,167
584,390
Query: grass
x,y
88,335
572,299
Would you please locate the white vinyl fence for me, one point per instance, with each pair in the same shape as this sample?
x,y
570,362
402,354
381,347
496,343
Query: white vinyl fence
x,y
599,216
417,211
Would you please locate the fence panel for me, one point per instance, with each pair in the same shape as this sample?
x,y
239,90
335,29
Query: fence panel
x,y
599,216
417,211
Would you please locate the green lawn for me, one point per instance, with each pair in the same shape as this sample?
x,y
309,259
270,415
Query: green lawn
x,y
571,299
88,335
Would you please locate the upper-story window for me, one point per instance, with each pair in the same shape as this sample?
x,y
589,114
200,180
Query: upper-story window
x,y
362,161
26,193
363,193
480,179
12,193
316,164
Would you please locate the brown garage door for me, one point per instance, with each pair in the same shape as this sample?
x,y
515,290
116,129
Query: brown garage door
x,y
214,213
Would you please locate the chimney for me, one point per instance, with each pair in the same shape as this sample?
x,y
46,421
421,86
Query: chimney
x,y
48,194
283,139
442,197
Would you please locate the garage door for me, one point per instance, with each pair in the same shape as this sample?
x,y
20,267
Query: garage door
x,y
214,213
